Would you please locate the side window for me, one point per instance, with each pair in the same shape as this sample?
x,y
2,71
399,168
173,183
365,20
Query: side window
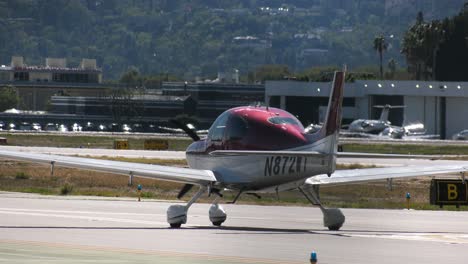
x,y
217,129
237,128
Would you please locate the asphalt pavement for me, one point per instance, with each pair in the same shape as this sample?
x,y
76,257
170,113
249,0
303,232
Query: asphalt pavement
x,y
57,229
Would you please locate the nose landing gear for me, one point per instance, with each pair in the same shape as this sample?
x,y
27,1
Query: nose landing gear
x,y
177,214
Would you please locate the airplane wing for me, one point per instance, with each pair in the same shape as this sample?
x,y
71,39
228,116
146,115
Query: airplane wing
x,y
320,155
266,153
385,156
364,175
184,175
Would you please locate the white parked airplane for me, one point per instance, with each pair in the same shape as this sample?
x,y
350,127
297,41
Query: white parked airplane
x,y
373,126
254,150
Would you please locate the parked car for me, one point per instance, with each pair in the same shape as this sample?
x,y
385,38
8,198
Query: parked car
x,y
25,126
76,127
51,127
36,127
63,128
89,126
126,128
462,135
102,128
11,126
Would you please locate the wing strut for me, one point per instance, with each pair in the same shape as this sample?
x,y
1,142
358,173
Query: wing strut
x,y
333,218
237,197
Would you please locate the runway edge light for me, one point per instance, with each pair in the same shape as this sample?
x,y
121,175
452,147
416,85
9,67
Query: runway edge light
x,y
313,257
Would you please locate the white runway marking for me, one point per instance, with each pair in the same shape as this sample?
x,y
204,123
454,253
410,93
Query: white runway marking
x,y
77,212
88,218
444,238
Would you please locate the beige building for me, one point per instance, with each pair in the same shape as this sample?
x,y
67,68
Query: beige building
x,y
36,84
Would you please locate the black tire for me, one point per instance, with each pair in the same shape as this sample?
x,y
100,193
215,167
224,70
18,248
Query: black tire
x,y
217,223
176,225
334,228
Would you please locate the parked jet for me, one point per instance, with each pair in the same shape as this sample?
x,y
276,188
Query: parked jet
x,y
373,126
254,150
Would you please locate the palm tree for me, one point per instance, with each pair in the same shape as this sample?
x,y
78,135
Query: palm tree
x,y
392,67
380,46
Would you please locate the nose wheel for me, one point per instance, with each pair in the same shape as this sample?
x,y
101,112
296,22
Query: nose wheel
x,y
177,214
217,214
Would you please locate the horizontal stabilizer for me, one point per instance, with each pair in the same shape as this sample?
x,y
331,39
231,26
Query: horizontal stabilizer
x,y
266,153
366,175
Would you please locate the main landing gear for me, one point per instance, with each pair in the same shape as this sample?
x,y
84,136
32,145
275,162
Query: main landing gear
x,y
177,214
333,218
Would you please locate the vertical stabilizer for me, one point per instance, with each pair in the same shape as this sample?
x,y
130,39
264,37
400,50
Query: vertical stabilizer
x,y
331,127
384,114
326,139
386,110
333,118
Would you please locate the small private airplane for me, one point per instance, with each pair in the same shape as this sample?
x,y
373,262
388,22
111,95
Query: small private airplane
x,y
252,150
383,128
372,126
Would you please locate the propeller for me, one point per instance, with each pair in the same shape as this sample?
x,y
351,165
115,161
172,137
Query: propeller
x,y
190,131
187,128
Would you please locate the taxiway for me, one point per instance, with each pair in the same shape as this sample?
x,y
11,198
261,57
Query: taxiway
x,y
56,229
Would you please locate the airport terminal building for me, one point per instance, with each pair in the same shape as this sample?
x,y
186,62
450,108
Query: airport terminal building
x,y
441,106
35,84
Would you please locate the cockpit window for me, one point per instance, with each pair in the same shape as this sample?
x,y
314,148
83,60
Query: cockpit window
x,y
280,120
217,129
237,128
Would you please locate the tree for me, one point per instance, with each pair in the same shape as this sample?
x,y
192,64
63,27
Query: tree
x,y
131,78
380,45
271,72
421,44
452,56
125,104
392,68
8,98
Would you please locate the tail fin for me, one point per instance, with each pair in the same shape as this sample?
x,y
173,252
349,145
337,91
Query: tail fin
x,y
331,127
333,118
326,139
384,114
386,110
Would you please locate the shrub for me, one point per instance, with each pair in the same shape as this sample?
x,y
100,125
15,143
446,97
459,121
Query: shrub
x,y
66,189
21,176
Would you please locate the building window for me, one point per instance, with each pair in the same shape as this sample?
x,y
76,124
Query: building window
x,y
75,77
21,76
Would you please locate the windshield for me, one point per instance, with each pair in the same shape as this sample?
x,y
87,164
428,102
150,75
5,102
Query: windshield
x,y
280,120
217,129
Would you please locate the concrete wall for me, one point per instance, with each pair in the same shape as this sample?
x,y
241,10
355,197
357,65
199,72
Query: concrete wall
x,y
456,115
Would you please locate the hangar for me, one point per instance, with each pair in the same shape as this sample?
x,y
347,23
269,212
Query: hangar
x,y
441,106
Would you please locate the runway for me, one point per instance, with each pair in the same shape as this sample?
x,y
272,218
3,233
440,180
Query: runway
x,y
57,229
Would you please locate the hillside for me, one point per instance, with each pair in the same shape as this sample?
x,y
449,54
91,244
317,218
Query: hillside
x,y
200,37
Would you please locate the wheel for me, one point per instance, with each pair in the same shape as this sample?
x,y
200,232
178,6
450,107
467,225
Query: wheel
x,y
334,228
218,223
177,225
